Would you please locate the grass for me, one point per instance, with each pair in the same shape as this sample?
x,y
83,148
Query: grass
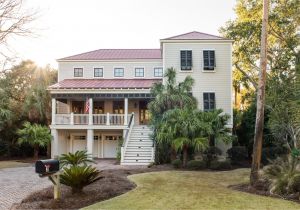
x,y
12,164
192,190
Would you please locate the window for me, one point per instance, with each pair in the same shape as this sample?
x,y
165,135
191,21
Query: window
x,y
119,72
78,72
98,72
209,60
186,60
139,72
209,101
158,72
118,107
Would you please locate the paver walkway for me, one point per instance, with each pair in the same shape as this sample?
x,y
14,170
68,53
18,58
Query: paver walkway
x,y
17,183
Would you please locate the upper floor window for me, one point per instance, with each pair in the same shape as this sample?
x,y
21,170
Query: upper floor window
x,y
158,72
119,72
186,60
209,101
78,72
98,72
209,60
139,72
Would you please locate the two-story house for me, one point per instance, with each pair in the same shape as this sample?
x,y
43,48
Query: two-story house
x,y
102,96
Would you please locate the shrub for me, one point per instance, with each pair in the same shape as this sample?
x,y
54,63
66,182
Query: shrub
x,y
271,153
220,165
77,177
237,153
177,163
211,154
120,143
196,164
75,159
284,175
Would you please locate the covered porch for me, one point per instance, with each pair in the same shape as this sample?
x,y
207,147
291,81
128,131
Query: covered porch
x,y
99,111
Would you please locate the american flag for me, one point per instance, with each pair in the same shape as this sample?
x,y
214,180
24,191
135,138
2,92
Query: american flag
x,y
87,106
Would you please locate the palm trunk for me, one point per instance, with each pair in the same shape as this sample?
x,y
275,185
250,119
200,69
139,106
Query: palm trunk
x,y
259,123
36,152
185,155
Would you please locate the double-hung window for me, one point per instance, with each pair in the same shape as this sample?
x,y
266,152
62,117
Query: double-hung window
x,y
209,60
98,72
139,72
78,72
119,72
186,60
158,72
209,101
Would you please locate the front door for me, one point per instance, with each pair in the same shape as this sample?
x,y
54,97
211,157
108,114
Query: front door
x,y
144,113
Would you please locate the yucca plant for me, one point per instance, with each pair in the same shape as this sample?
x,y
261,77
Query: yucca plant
x,y
76,159
77,177
284,175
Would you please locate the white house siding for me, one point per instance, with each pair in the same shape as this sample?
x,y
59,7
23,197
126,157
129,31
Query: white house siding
x,y
219,81
66,69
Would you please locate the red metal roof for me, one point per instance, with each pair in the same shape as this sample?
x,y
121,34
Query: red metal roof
x,y
195,35
104,83
117,54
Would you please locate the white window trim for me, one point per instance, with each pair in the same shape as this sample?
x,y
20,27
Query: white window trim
x,y
186,71
202,67
117,67
99,67
138,67
158,68
203,98
78,67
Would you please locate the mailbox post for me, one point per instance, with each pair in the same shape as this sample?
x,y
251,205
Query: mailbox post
x,y
50,168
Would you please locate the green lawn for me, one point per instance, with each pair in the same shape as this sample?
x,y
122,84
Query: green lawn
x,y
12,164
192,190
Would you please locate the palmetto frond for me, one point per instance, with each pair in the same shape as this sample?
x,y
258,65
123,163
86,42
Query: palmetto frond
x,y
34,134
76,159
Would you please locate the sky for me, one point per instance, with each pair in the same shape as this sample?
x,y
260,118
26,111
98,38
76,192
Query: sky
x,y
68,27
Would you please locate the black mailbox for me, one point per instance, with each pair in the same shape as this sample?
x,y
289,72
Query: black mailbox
x,y
49,166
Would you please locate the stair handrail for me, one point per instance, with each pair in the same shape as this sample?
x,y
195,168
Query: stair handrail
x,y
127,136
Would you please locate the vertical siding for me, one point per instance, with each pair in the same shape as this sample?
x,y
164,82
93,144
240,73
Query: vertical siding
x,y
219,81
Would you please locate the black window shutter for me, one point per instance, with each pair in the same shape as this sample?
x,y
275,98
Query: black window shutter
x,y
189,59
206,58
212,59
183,59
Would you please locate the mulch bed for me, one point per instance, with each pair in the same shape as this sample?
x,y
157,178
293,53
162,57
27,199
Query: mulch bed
x,y
113,183
263,192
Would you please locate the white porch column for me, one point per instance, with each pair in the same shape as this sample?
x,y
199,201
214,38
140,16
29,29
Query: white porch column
x,y
90,141
53,111
90,111
54,143
126,111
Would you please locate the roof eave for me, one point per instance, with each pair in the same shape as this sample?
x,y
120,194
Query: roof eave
x,y
197,40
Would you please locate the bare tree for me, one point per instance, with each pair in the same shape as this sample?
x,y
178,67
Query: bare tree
x,y
259,123
14,21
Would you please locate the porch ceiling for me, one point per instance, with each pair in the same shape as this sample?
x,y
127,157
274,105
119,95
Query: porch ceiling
x,y
102,95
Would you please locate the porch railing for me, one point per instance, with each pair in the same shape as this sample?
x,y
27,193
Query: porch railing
x,y
97,119
80,119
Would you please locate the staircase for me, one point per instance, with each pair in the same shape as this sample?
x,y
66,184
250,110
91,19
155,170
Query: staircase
x,y
138,149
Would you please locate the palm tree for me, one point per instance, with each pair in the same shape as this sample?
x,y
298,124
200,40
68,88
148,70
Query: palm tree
x,y
168,96
215,125
259,123
35,135
183,130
